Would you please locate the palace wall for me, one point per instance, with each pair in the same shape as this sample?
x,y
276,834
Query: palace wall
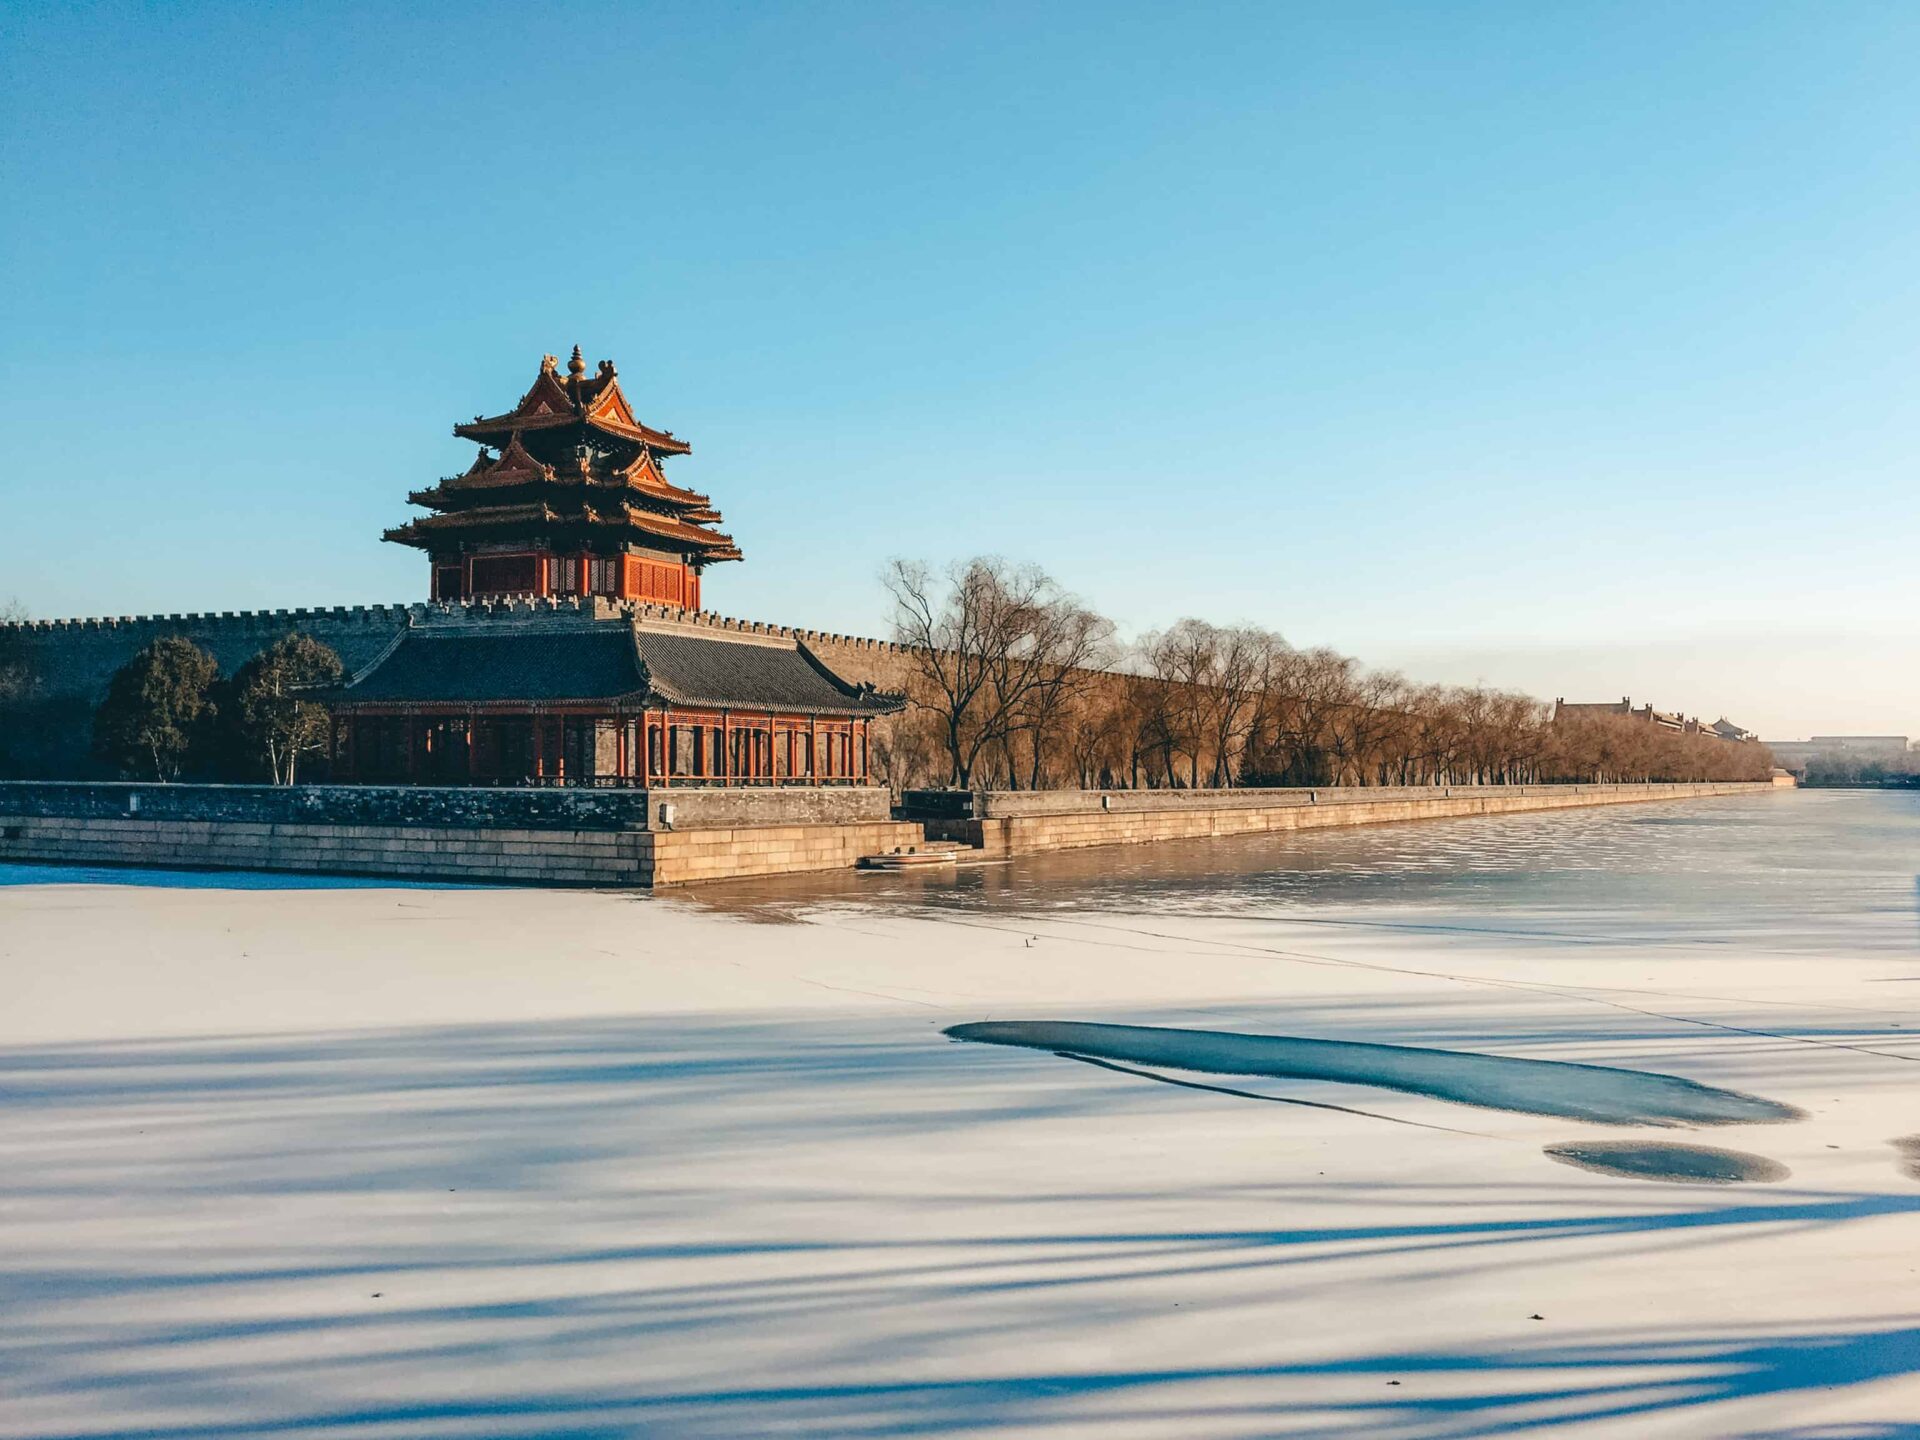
x,y
64,666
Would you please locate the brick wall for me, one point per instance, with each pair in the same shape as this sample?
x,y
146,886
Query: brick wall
x,y
47,731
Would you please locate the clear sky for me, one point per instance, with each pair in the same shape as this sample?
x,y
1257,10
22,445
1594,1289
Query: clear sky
x,y
1571,348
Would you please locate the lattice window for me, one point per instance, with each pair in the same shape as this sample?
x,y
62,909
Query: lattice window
x,y
504,574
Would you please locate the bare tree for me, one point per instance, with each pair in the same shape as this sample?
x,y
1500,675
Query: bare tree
x,y
991,650
1213,680
1010,681
1038,681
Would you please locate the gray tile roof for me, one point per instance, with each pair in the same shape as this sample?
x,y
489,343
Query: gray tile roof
x,y
606,662
690,669
467,668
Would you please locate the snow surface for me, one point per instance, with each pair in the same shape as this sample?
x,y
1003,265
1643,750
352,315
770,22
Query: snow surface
x,y
363,1161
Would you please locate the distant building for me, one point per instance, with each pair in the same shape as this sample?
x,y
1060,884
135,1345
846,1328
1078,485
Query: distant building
x,y
1660,719
1865,747
1895,752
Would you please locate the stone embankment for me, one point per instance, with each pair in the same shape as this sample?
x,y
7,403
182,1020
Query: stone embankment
x,y
1029,822
626,838
541,836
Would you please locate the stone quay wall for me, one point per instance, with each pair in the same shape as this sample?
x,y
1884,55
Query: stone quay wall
x,y
585,837
478,856
485,836
1030,822
486,856
687,857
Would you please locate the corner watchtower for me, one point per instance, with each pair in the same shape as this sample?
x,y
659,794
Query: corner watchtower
x,y
567,496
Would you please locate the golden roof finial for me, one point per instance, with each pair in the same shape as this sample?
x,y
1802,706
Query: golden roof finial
x,y
577,366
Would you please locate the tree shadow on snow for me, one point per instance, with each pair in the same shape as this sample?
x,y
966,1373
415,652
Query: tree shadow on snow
x,y
242,1235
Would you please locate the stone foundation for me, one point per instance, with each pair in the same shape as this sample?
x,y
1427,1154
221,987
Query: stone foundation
x,y
210,827
476,855
1028,822
685,857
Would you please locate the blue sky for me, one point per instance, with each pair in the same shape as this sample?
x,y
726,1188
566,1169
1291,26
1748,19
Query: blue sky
x,y
1570,348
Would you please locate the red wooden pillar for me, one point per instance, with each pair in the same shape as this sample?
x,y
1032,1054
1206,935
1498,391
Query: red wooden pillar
x,y
473,748
726,747
413,749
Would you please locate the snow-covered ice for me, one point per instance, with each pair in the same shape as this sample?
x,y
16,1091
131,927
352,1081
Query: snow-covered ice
x,y
361,1161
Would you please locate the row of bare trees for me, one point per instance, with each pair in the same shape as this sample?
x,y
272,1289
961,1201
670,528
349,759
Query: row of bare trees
x,y
1002,659
1015,684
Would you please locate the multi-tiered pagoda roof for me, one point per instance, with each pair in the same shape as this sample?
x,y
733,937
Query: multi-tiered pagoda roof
x,y
576,472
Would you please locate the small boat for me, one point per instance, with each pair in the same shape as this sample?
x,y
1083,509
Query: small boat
x,y
911,857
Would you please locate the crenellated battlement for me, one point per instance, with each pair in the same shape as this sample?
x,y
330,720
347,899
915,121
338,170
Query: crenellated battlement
x,y
333,618
386,616
69,663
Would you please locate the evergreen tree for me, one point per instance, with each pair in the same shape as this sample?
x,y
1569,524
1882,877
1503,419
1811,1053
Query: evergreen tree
x,y
273,721
158,706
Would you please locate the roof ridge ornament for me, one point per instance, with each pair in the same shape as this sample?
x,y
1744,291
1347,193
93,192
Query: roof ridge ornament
x,y
577,366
